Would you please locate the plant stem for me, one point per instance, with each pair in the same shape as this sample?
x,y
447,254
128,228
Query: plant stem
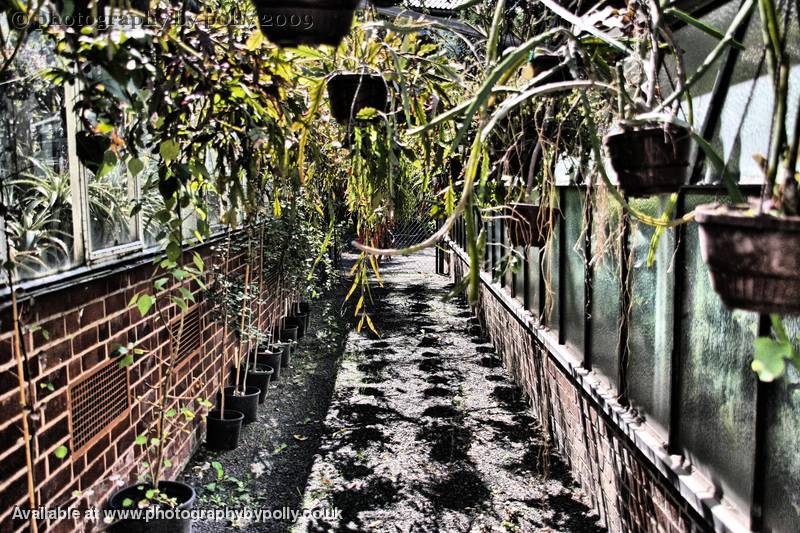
x,y
24,405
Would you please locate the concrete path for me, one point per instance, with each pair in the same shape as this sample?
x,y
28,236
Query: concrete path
x,y
425,433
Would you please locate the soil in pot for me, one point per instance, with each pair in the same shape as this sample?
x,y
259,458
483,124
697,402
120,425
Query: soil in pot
x,y
259,377
246,403
310,22
753,259
183,493
271,359
528,225
650,160
223,433
349,93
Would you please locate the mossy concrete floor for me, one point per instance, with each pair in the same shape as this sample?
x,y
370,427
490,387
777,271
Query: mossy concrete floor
x,y
424,432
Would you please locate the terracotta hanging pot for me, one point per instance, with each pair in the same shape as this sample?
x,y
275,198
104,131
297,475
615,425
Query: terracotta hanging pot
x,y
753,259
310,22
351,92
650,160
528,224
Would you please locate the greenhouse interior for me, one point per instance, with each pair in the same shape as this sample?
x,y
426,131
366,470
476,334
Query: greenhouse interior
x,y
400,266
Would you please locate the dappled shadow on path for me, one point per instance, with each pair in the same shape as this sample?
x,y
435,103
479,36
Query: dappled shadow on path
x,y
426,432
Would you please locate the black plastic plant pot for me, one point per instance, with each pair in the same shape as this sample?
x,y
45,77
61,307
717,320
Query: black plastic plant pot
x,y
259,377
311,22
298,321
271,359
753,259
349,93
651,160
289,333
171,521
246,403
528,224
222,434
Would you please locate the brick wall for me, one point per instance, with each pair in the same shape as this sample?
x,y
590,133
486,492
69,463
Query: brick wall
x,y
69,334
621,465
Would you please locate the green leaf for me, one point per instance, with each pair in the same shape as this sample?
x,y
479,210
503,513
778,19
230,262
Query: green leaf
x,y
198,262
144,304
141,440
769,358
174,251
126,361
700,25
61,452
169,150
159,283
186,293
255,40
367,113
127,502
135,166
170,413
108,165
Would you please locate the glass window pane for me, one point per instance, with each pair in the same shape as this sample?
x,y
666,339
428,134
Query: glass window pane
x,y
534,277
111,198
781,500
518,276
606,288
34,164
717,384
574,270
650,330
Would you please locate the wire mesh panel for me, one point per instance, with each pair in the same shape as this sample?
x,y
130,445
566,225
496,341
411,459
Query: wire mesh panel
x,y
97,401
191,338
414,229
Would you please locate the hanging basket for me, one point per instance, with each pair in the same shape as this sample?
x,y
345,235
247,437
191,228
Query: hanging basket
x,y
754,260
650,160
542,62
349,93
528,224
310,22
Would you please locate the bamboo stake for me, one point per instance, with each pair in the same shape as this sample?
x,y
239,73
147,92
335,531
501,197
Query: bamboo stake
x,y
23,402
241,330
260,286
225,328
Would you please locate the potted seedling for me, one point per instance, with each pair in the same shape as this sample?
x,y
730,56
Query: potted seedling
x,y
310,22
752,248
171,417
224,425
241,396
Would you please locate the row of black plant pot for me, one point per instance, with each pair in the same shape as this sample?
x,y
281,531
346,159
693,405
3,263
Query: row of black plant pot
x,y
267,364
222,432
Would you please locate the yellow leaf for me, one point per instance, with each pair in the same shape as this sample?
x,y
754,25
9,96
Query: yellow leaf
x,y
255,40
371,325
359,304
375,269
